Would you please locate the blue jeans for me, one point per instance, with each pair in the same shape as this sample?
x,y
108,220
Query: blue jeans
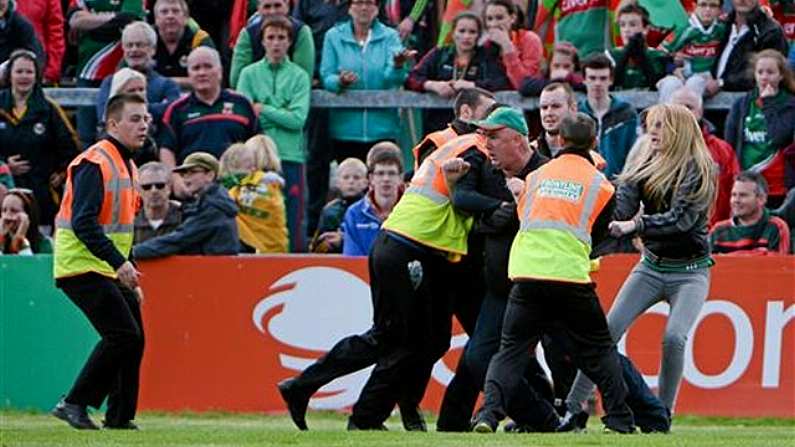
x,y
295,204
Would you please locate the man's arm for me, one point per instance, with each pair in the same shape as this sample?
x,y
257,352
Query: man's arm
x,y
191,232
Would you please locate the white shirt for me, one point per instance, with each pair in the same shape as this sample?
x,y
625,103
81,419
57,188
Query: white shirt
x,y
735,36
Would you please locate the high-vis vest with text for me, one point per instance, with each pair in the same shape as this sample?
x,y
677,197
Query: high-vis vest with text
x,y
439,139
116,215
425,214
557,210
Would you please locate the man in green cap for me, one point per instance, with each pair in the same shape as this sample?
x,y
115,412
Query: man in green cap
x,y
209,226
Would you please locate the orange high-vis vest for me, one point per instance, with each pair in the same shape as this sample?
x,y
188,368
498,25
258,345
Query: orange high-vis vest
x,y
557,210
438,138
116,215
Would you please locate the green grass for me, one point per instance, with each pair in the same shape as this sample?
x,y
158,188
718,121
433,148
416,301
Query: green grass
x,y
328,430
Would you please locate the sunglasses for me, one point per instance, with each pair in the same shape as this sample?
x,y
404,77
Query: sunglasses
x,y
149,186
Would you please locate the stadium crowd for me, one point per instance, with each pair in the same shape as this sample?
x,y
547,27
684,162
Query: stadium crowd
x,y
232,159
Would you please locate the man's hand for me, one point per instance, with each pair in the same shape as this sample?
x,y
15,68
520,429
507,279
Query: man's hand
x,y
516,186
18,165
128,275
454,169
139,294
712,87
620,228
57,179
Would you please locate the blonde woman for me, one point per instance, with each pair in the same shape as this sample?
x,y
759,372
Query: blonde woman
x,y
250,172
674,179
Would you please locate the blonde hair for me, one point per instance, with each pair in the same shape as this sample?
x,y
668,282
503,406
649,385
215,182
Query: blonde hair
x,y
683,150
266,154
353,163
230,160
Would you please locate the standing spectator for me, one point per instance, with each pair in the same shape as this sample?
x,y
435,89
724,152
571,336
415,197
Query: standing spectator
x,y
752,230
521,50
362,54
208,223
320,16
784,13
585,24
280,91
415,21
636,65
557,101
563,66
617,120
176,39
761,124
19,225
158,215
36,138
208,119
250,46
363,219
97,25
139,41
16,32
751,32
251,173
352,184
47,19
447,70
722,153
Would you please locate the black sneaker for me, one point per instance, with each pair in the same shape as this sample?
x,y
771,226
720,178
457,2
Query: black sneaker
x,y
353,427
573,422
483,425
74,415
296,402
412,419
612,430
129,425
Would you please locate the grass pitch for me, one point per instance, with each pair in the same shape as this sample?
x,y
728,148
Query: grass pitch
x,y
328,430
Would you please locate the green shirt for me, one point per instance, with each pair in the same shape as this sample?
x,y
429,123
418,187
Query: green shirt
x,y
757,146
634,76
700,43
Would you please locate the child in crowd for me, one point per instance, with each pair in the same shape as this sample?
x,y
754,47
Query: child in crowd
x,y
250,172
695,50
563,66
19,225
636,65
352,184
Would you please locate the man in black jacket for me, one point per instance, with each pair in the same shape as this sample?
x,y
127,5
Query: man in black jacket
x,y
16,32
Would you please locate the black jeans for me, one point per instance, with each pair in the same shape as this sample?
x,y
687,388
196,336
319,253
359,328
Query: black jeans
x,y
112,369
564,309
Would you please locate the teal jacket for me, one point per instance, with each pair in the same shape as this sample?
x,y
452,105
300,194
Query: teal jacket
x,y
376,71
284,91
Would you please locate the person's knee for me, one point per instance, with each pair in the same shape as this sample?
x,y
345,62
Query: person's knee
x,y
674,341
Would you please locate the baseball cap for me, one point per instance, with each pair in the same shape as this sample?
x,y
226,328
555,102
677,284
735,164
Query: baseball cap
x,y
504,117
202,160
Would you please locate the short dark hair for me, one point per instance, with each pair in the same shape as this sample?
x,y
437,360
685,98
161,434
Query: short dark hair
x,y
578,131
756,178
278,22
384,152
597,61
561,85
634,8
470,97
116,104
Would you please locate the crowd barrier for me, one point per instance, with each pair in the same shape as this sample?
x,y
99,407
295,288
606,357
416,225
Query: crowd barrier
x,y
72,97
222,331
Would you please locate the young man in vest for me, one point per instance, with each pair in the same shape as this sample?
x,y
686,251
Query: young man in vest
x,y
563,207
93,240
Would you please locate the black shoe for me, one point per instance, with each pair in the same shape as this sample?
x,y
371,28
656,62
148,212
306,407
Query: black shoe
x,y
353,427
513,427
621,431
296,402
483,425
573,422
129,425
412,419
74,415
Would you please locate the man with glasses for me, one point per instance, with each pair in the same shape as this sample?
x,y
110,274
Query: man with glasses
x,y
158,215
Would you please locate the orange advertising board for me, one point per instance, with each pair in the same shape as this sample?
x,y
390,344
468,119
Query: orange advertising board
x,y
222,331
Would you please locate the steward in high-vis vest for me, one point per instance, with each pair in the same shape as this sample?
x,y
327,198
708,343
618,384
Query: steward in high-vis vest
x,y
563,208
93,241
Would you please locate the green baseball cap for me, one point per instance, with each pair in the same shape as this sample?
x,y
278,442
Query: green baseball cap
x,y
504,117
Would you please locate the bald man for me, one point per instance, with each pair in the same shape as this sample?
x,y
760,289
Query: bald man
x,y
209,119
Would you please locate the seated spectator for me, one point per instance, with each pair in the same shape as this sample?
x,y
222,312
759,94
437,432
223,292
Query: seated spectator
x,y
47,19
721,151
158,215
521,50
36,138
363,218
362,54
176,38
138,42
616,119
446,71
280,91
636,65
16,32
752,230
352,184
208,119
19,225
695,50
761,124
208,223
563,66
250,46
751,31
250,172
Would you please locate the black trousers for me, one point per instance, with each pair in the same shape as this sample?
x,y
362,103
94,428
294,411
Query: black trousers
x,y
319,156
566,310
112,369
